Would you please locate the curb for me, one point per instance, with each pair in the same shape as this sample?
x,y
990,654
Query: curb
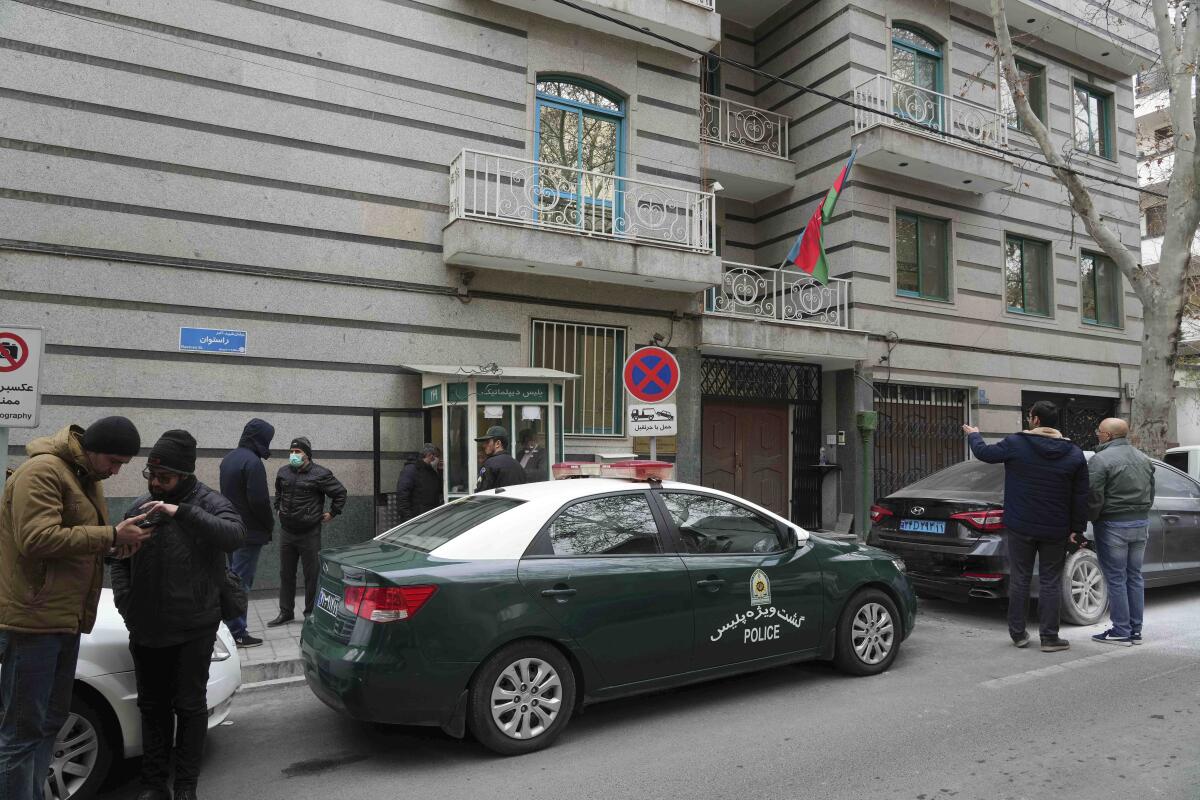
x,y
253,674
277,683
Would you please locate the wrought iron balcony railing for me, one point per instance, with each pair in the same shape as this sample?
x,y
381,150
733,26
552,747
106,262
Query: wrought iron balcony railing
x,y
709,4
926,111
782,295
735,124
538,194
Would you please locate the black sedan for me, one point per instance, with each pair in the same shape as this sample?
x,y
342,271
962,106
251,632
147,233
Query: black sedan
x,y
949,529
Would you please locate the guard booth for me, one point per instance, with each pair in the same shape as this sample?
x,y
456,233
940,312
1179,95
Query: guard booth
x,y
459,403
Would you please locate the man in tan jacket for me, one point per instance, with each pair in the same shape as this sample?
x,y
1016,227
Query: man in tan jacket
x,y
54,534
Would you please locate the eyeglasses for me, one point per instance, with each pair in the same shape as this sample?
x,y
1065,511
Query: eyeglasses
x,y
161,477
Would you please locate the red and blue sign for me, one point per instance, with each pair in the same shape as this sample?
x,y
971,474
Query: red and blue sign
x,y
651,374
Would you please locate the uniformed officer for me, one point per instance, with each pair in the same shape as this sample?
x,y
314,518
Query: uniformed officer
x,y
500,469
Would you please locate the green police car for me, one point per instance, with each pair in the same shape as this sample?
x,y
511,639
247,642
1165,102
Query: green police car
x,y
506,611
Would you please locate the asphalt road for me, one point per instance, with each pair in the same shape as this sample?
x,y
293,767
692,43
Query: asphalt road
x,y
962,713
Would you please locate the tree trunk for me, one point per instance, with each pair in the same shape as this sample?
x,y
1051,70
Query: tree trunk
x,y
1154,402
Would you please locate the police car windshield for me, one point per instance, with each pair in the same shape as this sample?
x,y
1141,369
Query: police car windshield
x,y
428,532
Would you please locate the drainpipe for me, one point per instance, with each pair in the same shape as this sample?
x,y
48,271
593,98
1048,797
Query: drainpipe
x,y
867,422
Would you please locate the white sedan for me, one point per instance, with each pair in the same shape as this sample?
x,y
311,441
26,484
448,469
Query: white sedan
x,y
104,723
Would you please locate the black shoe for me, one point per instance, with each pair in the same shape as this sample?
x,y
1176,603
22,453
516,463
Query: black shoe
x,y
1136,637
188,793
282,619
307,614
246,640
1020,639
1111,637
1052,644
154,794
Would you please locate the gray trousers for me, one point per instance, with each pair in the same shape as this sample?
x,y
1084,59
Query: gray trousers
x,y
302,547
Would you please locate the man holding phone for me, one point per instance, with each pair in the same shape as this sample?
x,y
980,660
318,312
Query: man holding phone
x,y
54,534
169,596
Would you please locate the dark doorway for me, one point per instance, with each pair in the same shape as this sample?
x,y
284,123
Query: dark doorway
x,y
394,434
745,452
1078,415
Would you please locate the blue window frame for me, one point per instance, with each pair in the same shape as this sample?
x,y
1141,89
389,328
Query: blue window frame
x,y
581,129
917,64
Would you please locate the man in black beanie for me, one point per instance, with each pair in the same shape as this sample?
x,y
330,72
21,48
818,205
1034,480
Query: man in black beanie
x,y
300,491
169,596
54,534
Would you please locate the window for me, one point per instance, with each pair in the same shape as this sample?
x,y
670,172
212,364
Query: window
x,y
1033,81
595,402
1156,220
1177,460
579,128
1027,276
445,523
917,77
1168,483
710,76
1099,290
711,525
616,525
1093,121
922,255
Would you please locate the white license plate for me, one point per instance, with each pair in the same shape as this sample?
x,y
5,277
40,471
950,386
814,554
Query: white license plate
x,y
329,602
923,525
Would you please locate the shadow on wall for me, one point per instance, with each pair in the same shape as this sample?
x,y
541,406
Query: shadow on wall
x,y
355,524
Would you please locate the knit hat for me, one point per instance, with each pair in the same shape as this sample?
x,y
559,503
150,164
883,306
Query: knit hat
x,y
302,443
174,451
112,436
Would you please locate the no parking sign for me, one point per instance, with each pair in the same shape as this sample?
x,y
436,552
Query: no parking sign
x,y
651,374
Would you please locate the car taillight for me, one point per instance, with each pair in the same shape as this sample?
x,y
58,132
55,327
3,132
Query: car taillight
x,y
386,603
982,520
878,513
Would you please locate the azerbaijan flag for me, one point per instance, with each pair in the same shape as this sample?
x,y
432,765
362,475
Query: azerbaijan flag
x,y
808,253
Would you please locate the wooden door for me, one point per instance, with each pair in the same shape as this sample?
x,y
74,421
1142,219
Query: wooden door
x,y
745,452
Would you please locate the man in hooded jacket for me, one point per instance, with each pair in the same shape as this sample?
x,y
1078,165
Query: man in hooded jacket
x,y
244,483
1045,503
169,595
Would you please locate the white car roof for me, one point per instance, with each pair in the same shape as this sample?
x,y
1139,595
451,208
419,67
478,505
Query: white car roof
x,y
507,535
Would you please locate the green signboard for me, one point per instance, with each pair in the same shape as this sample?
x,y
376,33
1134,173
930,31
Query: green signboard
x,y
496,392
431,396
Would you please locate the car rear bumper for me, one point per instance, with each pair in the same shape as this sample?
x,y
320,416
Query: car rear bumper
x,y
381,683
944,571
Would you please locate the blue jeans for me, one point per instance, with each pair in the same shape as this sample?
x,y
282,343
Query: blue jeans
x,y
1121,547
244,563
37,671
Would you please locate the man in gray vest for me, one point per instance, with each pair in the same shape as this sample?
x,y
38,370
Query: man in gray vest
x,y
1122,491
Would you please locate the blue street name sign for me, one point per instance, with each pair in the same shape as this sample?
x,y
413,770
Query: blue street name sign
x,y
212,340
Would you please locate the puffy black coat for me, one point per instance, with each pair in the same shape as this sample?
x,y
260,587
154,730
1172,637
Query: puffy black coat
x,y
1045,482
168,591
418,490
300,495
244,481
499,470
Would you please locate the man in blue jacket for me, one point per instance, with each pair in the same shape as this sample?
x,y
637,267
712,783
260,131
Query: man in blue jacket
x,y
244,483
1045,503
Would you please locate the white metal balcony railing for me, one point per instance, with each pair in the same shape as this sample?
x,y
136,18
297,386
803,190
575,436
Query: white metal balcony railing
x,y
711,5
537,194
783,295
735,124
927,111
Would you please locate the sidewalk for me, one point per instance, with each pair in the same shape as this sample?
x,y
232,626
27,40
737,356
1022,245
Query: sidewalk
x,y
279,655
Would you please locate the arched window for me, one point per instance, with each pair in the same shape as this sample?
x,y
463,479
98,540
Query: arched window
x,y
916,72
580,127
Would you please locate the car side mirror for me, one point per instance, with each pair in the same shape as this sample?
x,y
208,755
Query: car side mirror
x,y
793,541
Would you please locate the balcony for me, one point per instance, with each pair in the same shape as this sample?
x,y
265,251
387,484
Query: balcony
x,y
751,157
691,22
919,147
770,312
519,215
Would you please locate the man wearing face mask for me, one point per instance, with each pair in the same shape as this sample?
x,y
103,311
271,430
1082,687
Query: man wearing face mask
x,y
169,595
301,487
419,488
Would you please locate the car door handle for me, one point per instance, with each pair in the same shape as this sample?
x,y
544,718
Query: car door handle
x,y
559,594
1172,518
711,584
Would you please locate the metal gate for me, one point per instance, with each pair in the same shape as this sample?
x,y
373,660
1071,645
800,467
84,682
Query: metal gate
x,y
919,433
1078,415
395,435
798,385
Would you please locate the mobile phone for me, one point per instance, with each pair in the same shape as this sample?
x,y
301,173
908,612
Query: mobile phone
x,y
152,519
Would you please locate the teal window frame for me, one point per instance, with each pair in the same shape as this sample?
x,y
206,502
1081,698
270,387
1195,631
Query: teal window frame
x,y
1117,290
920,220
1022,242
1101,128
917,50
1036,101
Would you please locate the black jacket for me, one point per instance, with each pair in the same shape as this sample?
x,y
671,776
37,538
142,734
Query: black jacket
x,y
499,470
418,490
167,592
1045,482
300,495
244,481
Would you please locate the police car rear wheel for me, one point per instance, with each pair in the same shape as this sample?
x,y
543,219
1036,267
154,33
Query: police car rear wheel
x,y
522,698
